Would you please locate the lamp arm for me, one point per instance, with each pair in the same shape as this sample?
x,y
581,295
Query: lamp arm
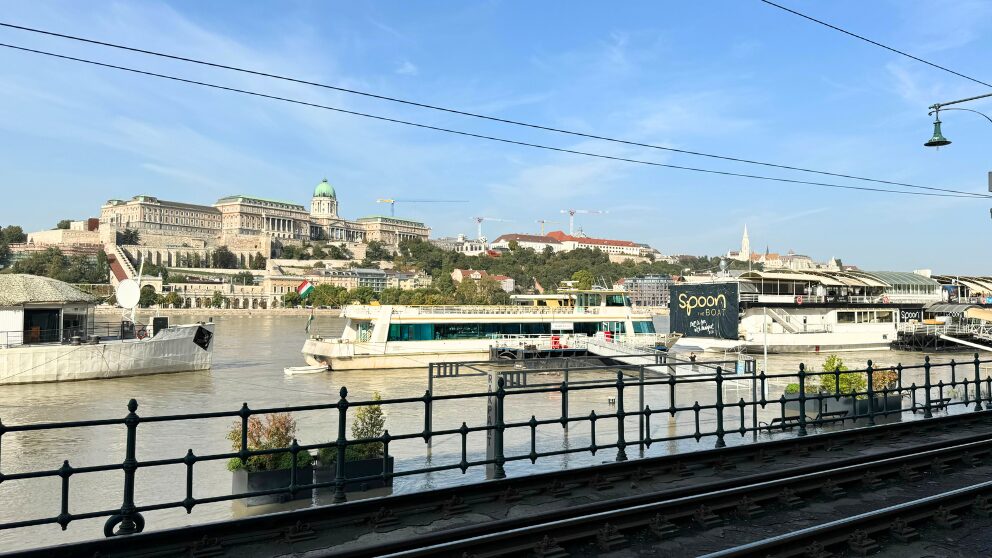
x,y
968,110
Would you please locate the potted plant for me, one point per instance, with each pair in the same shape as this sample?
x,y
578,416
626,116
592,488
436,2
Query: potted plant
x,y
269,471
361,460
853,386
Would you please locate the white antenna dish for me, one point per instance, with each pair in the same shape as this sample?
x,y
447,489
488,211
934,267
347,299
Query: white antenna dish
x,y
128,293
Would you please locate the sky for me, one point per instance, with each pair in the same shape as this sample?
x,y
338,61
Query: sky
x,y
729,77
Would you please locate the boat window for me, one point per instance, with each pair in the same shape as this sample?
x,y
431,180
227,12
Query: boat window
x,y
644,327
430,332
884,316
615,300
845,317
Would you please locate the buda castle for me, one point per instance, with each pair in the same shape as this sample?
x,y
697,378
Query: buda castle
x,y
247,223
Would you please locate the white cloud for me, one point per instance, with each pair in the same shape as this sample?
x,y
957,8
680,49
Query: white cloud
x,y
407,68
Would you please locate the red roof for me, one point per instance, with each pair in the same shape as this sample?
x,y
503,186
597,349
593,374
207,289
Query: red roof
x,y
562,237
527,238
498,277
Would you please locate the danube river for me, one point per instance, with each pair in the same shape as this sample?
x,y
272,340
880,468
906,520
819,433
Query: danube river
x,y
249,357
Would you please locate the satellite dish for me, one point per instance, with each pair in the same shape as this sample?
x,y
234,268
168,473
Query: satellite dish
x,y
128,293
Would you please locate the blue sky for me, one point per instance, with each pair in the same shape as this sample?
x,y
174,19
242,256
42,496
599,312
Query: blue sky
x,y
730,77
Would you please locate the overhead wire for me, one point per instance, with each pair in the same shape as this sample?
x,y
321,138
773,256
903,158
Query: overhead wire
x,y
876,43
472,114
939,192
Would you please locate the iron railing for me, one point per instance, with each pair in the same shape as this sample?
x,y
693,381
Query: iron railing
x,y
103,330
916,391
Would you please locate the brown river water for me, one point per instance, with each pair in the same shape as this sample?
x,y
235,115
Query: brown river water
x,y
248,361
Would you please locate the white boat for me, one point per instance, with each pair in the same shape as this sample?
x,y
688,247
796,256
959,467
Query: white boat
x,y
824,311
389,336
49,333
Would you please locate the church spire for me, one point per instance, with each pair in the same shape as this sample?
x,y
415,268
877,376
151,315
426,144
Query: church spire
x,y
745,246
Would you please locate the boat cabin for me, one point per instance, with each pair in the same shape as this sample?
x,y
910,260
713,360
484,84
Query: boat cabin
x,y
37,309
574,299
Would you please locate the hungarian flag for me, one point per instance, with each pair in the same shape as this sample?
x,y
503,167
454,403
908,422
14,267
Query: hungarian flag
x,y
304,289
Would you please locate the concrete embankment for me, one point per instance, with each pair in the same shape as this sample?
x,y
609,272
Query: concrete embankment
x,y
178,312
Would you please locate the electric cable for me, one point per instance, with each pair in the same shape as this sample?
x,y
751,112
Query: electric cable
x,y
949,194
876,43
467,113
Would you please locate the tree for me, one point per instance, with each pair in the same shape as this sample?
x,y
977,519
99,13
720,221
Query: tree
x,y
339,252
63,224
292,298
257,261
377,251
244,278
319,265
364,295
4,253
128,237
318,253
148,296
513,245
225,259
583,279
217,301
173,300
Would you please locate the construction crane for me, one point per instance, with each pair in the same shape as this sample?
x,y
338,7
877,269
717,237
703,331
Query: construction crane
x,y
571,216
478,223
392,203
546,222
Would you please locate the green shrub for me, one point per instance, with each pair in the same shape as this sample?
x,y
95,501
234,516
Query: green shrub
x,y
792,389
845,383
276,431
370,422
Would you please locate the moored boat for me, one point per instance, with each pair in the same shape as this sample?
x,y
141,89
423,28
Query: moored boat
x,y
391,336
49,333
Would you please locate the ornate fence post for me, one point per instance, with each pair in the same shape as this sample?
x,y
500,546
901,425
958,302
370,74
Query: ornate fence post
x,y
428,415
720,443
978,384
927,412
129,519
621,439
802,399
500,472
871,395
341,445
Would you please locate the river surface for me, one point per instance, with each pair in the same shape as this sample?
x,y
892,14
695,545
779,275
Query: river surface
x,y
248,361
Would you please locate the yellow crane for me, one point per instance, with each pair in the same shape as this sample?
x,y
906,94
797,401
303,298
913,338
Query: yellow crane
x,y
392,203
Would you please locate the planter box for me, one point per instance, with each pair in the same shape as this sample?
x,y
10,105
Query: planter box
x,y
243,481
354,470
854,408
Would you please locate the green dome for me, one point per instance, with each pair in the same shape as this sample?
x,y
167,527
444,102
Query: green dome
x,y
324,190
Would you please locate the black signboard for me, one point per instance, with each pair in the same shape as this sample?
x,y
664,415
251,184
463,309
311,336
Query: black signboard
x,y
704,310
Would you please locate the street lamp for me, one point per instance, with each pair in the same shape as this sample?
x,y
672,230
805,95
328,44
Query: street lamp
x,y
938,139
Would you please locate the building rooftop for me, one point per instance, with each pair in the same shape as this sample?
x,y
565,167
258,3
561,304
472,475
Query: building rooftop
x,y
20,288
562,237
527,238
236,197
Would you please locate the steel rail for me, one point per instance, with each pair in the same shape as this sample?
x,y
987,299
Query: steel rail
x,y
361,513
582,522
876,521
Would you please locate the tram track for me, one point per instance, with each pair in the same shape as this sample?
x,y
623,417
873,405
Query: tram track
x,y
607,525
408,524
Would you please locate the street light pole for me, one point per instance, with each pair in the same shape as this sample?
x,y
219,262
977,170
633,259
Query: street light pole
x,y
938,139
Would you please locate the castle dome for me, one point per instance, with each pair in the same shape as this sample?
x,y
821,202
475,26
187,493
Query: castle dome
x,y
324,190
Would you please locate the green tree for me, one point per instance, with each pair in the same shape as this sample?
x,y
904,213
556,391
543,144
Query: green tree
x,y
257,261
291,298
376,251
339,252
225,259
217,300
13,234
364,295
63,224
583,279
173,300
148,297
4,253
243,278
319,265
513,245
128,237
467,292
318,253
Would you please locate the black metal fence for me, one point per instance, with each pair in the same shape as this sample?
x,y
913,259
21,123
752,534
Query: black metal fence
x,y
871,395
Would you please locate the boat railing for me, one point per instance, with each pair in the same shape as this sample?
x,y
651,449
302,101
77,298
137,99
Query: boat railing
x,y
61,336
